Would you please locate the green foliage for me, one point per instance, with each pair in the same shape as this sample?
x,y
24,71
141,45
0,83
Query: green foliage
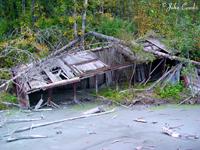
x,y
189,69
114,26
6,97
115,95
170,92
3,27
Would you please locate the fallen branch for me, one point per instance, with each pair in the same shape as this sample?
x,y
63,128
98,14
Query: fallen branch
x,y
185,100
8,104
98,109
11,139
181,59
62,120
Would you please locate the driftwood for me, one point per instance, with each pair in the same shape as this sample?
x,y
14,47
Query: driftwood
x,y
62,120
23,120
94,110
170,132
140,120
11,139
8,104
43,109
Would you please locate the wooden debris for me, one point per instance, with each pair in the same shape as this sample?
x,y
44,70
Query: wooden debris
x,y
39,104
170,132
185,100
62,120
140,120
44,109
12,139
94,110
8,104
23,120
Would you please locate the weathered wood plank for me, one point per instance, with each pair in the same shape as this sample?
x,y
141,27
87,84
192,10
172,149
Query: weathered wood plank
x,y
66,69
52,77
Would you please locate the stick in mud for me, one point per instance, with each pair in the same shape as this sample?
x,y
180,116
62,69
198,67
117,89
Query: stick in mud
x,y
11,139
62,120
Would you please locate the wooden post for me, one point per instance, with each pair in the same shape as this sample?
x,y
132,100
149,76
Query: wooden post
x,y
74,91
116,80
96,84
108,76
49,99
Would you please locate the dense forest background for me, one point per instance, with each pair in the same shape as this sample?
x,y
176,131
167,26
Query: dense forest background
x,y
31,29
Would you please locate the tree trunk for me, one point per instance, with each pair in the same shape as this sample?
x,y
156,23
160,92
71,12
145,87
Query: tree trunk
x,y
23,7
32,12
84,19
75,18
181,59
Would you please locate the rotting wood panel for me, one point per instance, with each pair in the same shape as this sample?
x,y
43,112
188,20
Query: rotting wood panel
x,y
66,69
158,44
154,44
79,57
52,77
91,66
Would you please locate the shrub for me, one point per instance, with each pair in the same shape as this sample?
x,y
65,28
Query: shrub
x,y
115,95
170,92
114,26
3,27
7,97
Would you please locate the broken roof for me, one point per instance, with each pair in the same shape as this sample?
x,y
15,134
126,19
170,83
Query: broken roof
x,y
64,69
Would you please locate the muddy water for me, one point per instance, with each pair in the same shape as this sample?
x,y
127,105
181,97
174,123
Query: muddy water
x,y
115,131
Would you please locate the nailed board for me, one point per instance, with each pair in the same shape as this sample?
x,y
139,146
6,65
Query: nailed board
x,y
68,72
79,57
92,66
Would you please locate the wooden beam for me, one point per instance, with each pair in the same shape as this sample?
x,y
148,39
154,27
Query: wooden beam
x,y
96,83
60,83
181,59
52,77
74,92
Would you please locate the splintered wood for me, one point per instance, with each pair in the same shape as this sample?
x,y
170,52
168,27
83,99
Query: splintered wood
x,y
172,133
94,110
12,139
140,120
